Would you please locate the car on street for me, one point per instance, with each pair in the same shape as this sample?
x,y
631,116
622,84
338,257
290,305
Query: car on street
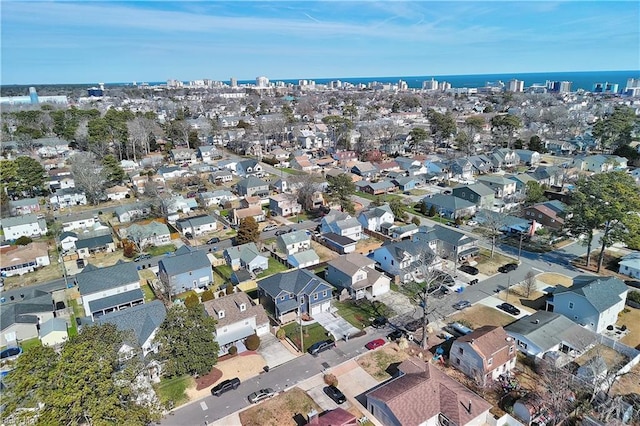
x,y
225,386
395,334
414,325
472,223
269,228
335,394
142,256
261,395
321,346
461,305
213,240
471,270
508,267
374,344
473,281
379,322
282,232
633,283
508,307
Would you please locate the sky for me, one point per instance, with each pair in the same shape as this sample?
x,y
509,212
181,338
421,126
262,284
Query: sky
x,y
148,41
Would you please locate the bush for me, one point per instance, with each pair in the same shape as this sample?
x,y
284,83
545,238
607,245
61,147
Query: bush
x,y
192,301
207,295
252,342
281,334
432,211
23,241
416,220
331,380
229,289
233,350
634,296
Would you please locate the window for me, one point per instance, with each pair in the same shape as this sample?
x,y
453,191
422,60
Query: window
x,y
460,351
282,297
324,293
510,349
391,262
570,305
458,361
243,307
221,314
315,296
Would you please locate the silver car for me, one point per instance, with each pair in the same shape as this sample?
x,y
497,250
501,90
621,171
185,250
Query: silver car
x,y
261,395
462,304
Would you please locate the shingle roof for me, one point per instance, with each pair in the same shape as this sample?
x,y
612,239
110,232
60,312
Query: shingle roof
x,y
25,312
490,342
251,182
203,219
91,242
338,239
479,188
298,281
230,304
448,202
191,261
8,222
295,237
245,252
547,329
601,292
142,319
116,300
351,263
51,325
305,256
100,279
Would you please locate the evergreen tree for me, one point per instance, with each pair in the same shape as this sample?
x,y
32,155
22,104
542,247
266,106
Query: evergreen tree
x,y
248,231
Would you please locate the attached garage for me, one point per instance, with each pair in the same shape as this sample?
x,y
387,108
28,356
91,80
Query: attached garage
x,y
321,307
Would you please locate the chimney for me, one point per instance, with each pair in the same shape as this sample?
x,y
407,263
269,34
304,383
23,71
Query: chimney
x,y
312,417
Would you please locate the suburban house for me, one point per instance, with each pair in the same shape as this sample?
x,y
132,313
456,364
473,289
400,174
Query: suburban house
x,y
446,242
342,224
249,167
549,333
521,180
68,241
481,164
338,243
61,178
290,294
178,204
405,260
131,212
528,157
183,155
185,270
364,169
19,320
449,206
151,234
294,242
118,192
376,188
544,215
630,265
82,220
400,232
109,289
221,176
238,318
23,226
208,153
462,169
86,247
591,301
255,212
197,225
284,205
303,163
303,259
501,185
144,320
67,197
336,417
251,186
24,206
504,158
356,277
599,163
216,198
246,256
484,354
19,260
479,194
403,400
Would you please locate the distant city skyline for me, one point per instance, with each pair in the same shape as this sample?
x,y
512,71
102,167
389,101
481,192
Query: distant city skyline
x,y
89,42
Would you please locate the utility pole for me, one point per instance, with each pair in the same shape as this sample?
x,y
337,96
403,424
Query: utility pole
x,y
506,299
520,245
301,332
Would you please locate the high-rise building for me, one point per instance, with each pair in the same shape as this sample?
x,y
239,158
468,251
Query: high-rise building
x,y
262,82
605,87
33,95
565,87
430,85
633,87
233,82
515,86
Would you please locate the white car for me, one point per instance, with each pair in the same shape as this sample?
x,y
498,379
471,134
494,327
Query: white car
x,y
472,223
269,228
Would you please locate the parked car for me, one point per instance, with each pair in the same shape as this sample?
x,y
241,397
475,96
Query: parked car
x,y
282,232
471,270
374,344
414,325
142,256
321,346
225,386
335,394
379,322
472,223
188,235
508,267
269,228
462,305
473,281
633,283
213,240
261,395
396,334
508,307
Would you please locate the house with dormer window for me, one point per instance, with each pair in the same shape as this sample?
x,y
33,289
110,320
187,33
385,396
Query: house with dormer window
x,y
238,318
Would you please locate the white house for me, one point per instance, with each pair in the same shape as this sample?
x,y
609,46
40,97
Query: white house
x,y
151,234
373,218
23,226
356,276
284,205
68,197
630,265
19,260
53,332
83,220
407,260
591,301
117,192
294,242
197,225
341,224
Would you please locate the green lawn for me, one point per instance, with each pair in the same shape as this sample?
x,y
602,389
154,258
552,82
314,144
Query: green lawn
x,y
224,270
274,268
149,295
311,334
160,250
361,313
292,171
78,309
385,198
171,391
31,343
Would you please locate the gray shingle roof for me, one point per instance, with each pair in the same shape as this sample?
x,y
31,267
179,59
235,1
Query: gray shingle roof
x,y
191,261
251,182
448,202
142,319
8,222
193,221
91,242
547,329
99,279
299,281
116,300
601,292
295,237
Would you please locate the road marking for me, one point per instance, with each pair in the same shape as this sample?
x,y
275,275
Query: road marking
x,y
203,405
536,269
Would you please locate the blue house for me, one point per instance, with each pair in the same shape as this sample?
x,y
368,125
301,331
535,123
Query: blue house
x,y
185,271
289,294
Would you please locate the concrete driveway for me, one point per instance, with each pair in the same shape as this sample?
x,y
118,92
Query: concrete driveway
x,y
273,351
493,301
335,324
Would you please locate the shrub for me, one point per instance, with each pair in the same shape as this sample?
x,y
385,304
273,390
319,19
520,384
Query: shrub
x,y
252,342
233,350
331,380
192,301
634,296
281,334
229,289
432,211
23,241
207,295
416,220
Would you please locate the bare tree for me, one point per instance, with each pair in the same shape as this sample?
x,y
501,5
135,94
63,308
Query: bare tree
x,y
529,283
88,175
494,222
304,187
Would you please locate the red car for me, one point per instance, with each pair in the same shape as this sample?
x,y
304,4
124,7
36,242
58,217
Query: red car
x,y
374,344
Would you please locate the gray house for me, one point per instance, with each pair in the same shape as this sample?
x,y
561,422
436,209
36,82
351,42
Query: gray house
x,y
356,276
450,206
246,256
479,194
253,186
183,272
289,294
294,242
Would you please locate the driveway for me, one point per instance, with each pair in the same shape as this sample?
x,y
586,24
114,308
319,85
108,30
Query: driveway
x,y
273,351
493,301
335,324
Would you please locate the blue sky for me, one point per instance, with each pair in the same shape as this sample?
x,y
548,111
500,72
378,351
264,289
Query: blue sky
x,y
92,41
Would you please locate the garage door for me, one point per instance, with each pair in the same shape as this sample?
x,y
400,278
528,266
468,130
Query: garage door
x,y
316,309
263,329
326,306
